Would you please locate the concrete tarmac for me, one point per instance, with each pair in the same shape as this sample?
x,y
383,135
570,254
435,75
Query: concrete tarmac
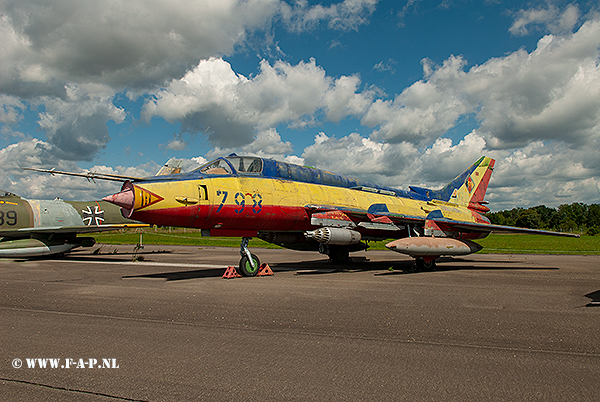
x,y
169,328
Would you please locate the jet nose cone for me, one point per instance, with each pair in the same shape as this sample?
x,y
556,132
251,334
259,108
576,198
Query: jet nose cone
x,y
124,199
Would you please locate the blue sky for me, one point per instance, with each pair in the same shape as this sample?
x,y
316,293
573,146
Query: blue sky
x,y
397,92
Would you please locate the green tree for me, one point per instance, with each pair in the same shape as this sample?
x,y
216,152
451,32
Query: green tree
x,y
593,231
545,215
567,225
575,212
593,216
528,218
567,217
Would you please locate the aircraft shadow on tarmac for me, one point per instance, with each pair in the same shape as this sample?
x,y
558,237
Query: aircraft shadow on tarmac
x,y
404,267
106,256
595,296
360,264
182,275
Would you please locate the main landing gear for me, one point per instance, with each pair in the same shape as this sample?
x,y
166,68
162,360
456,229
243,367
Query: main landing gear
x,y
337,254
249,263
424,264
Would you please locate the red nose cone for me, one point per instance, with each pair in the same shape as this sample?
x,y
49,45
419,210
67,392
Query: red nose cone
x,y
124,199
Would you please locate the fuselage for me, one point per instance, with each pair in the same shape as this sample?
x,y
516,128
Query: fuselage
x,y
20,213
223,198
304,208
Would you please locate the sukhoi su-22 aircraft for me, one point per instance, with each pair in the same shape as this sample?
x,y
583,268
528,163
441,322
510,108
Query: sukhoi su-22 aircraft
x,y
305,208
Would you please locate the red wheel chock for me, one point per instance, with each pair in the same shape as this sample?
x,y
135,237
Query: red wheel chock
x,y
265,270
230,273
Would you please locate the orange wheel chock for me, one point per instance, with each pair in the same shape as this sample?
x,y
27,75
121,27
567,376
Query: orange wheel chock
x,y
265,270
231,273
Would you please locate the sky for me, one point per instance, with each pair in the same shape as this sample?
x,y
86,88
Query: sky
x,y
394,92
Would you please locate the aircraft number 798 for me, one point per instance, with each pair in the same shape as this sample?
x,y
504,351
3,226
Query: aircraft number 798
x,y
240,200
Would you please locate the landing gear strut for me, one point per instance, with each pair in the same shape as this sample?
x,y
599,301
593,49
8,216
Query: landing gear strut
x,y
249,263
421,264
337,254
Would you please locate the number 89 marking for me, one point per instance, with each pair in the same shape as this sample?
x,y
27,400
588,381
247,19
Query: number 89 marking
x,y
10,218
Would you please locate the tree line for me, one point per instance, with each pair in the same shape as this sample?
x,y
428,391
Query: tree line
x,y
576,217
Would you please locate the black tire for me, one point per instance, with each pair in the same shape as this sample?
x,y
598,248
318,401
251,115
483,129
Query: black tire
x,y
245,269
424,266
339,254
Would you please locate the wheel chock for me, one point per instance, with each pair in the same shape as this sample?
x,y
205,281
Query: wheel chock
x,y
265,270
231,273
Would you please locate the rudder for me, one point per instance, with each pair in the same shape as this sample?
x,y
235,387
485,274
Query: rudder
x,y
468,189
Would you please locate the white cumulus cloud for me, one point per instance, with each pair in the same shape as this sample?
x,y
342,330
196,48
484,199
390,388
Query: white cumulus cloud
x,y
548,17
231,108
552,93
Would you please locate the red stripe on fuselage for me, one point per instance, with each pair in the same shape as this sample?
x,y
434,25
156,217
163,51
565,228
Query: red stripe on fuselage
x,y
203,217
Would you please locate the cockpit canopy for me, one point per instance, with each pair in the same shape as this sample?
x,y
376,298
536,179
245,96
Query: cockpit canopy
x,y
268,168
7,194
246,164
241,164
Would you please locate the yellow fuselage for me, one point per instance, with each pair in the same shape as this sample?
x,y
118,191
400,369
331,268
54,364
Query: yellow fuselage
x,y
267,204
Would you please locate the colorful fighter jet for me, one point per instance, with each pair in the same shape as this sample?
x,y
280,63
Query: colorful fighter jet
x,y
34,228
305,208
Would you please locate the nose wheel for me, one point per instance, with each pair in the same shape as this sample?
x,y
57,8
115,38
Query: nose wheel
x,y
249,263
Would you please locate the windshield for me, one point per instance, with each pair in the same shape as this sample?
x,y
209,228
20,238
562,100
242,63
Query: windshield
x,y
245,164
218,166
242,164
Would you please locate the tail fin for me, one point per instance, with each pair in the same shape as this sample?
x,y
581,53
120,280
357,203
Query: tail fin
x,y
467,189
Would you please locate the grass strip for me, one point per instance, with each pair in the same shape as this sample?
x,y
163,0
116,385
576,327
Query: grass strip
x,y
494,243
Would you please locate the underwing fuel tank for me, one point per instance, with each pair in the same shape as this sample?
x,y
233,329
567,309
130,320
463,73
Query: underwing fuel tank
x,y
334,236
433,246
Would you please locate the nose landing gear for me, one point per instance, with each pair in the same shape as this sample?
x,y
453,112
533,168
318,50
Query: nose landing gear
x,y
249,263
